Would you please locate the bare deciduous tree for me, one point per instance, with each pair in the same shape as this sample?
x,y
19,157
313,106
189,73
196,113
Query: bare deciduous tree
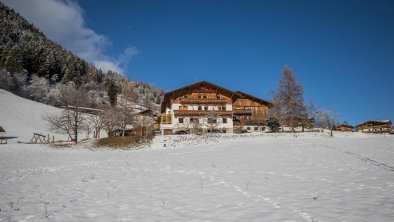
x,y
143,123
212,120
327,116
109,119
96,123
70,120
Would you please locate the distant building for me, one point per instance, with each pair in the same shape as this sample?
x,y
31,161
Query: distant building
x,y
375,126
344,128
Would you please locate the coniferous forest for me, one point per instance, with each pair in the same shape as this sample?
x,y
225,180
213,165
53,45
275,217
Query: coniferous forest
x,y
34,67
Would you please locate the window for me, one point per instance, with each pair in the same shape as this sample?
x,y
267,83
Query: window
x,y
223,108
199,108
204,97
185,96
180,120
211,120
194,120
248,128
205,107
256,128
183,108
199,96
224,120
217,96
166,119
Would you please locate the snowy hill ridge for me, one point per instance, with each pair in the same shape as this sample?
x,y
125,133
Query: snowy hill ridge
x,y
22,117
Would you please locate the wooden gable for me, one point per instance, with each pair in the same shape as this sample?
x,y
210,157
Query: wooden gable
x,y
199,92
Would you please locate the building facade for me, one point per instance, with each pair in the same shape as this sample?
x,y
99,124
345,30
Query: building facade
x,y
375,126
250,113
344,128
205,107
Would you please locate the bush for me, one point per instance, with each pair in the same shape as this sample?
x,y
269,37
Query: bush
x,y
273,124
124,142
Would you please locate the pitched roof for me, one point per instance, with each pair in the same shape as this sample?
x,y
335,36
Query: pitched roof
x,y
262,101
199,84
375,121
345,125
178,92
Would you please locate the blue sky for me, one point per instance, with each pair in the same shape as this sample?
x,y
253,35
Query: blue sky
x,y
342,51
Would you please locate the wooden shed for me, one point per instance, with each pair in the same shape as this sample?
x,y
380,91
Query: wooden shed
x,y
344,128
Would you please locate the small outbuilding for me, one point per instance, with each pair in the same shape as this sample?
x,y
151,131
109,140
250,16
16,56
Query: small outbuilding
x,y
3,140
344,128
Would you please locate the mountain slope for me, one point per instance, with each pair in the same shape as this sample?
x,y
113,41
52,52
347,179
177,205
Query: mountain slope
x,y
22,117
31,65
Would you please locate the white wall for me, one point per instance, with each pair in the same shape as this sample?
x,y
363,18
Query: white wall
x,y
202,120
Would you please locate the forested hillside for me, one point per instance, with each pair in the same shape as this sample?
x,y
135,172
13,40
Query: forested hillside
x,y
34,67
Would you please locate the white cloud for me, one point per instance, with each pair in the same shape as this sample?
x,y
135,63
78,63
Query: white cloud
x,y
63,22
107,65
119,64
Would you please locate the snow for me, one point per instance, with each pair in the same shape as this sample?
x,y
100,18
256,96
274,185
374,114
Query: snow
x,y
219,177
244,178
22,117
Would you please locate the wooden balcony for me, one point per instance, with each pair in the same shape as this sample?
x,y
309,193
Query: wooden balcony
x,y
242,112
258,122
202,101
202,113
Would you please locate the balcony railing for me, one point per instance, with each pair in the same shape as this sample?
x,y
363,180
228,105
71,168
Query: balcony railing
x,y
202,101
243,111
202,113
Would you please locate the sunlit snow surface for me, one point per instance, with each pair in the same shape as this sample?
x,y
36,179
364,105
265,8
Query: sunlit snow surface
x,y
257,178
225,177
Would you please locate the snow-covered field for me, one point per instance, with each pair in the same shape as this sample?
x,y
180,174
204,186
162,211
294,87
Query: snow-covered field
x,y
225,177
252,179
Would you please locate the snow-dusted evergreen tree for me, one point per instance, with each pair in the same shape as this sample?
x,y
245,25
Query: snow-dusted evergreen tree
x,y
6,80
25,52
38,88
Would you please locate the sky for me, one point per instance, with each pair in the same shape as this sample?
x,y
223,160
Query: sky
x,y
342,51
